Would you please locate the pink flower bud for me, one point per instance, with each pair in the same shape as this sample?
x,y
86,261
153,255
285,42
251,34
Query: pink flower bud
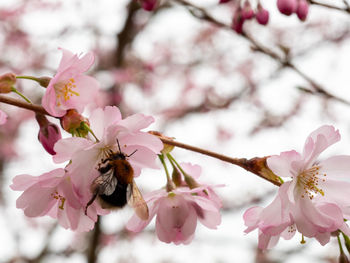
x,y
302,10
287,7
224,1
247,11
148,5
262,16
72,123
6,82
237,22
49,133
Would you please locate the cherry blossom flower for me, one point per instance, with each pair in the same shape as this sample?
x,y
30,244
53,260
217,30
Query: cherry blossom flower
x,y
52,194
177,211
69,88
49,133
313,202
108,126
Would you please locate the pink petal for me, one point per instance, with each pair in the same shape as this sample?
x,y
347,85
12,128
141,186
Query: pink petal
x,y
87,88
318,141
281,164
336,167
23,182
136,122
100,119
192,169
68,58
85,62
135,224
66,148
49,101
267,241
36,201
251,218
323,238
144,139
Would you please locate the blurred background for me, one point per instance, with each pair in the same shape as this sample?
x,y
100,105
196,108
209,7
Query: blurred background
x,y
242,95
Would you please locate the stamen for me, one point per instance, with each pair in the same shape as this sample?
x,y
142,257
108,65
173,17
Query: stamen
x,y
59,197
64,90
309,180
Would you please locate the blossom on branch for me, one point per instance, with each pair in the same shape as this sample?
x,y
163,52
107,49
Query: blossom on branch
x,y
178,210
85,155
314,201
52,194
69,88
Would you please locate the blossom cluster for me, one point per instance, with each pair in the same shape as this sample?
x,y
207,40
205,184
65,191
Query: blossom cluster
x,y
313,202
105,150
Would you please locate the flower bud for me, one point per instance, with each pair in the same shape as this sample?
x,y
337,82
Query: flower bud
x,y
247,11
237,22
287,7
224,1
44,81
262,16
6,82
72,123
149,5
49,133
191,182
302,10
176,176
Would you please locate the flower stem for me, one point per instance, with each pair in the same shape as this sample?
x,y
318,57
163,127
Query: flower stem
x,y
161,158
173,161
340,245
20,94
87,127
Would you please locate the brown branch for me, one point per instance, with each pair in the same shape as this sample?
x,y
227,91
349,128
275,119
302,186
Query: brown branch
x,y
22,104
256,165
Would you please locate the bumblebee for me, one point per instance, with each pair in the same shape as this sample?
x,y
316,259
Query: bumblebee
x,y
115,186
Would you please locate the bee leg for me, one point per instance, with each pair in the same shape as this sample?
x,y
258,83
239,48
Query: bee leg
x,y
90,202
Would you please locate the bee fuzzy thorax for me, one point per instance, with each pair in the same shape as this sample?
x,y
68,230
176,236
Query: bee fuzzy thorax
x,y
115,186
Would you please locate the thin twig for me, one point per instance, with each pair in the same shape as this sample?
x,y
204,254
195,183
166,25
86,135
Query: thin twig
x,y
346,10
203,14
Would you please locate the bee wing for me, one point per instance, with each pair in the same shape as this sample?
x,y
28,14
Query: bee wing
x,y
136,201
106,183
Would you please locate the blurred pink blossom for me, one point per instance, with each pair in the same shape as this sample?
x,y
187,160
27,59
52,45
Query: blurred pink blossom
x,y
302,10
262,15
69,88
148,5
287,7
